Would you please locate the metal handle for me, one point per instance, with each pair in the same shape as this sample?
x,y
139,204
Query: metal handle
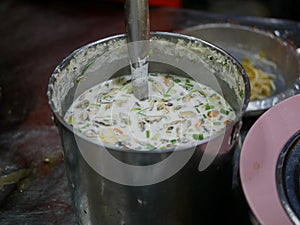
x,y
138,29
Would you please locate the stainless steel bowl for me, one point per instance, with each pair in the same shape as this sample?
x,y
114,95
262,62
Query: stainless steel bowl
x,y
244,41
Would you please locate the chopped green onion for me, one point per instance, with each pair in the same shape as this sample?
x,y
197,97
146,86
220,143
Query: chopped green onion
x,y
173,141
204,116
223,111
71,120
169,93
189,85
150,147
198,137
147,133
136,109
86,126
193,91
198,111
95,104
177,80
207,107
142,114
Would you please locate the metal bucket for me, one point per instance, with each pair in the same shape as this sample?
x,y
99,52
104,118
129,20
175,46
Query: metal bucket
x,y
181,186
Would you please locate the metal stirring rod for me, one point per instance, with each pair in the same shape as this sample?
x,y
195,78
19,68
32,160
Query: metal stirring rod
x,y
138,28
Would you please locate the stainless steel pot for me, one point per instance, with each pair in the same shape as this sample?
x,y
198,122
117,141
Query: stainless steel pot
x,y
112,186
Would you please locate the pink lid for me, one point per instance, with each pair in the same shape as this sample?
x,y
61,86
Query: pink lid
x,y
259,156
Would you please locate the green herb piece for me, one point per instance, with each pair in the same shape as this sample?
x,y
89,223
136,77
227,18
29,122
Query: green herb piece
x,y
169,92
136,109
204,116
147,133
153,74
198,111
150,147
84,127
140,113
193,91
95,104
223,111
71,120
198,137
189,85
241,93
177,80
207,107
173,141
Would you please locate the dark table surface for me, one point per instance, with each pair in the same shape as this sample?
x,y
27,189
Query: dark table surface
x,y
34,37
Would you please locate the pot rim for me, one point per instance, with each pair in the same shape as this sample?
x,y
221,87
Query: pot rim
x,y
59,119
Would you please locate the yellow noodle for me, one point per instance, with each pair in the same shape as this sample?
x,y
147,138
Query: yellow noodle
x,y
262,83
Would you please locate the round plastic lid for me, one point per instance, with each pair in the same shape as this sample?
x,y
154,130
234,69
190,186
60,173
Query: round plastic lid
x,y
259,157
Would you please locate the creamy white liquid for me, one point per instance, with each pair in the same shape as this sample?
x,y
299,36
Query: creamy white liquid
x,y
179,112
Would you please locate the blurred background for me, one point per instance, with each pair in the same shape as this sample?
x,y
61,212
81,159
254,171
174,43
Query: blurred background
x,y
287,9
